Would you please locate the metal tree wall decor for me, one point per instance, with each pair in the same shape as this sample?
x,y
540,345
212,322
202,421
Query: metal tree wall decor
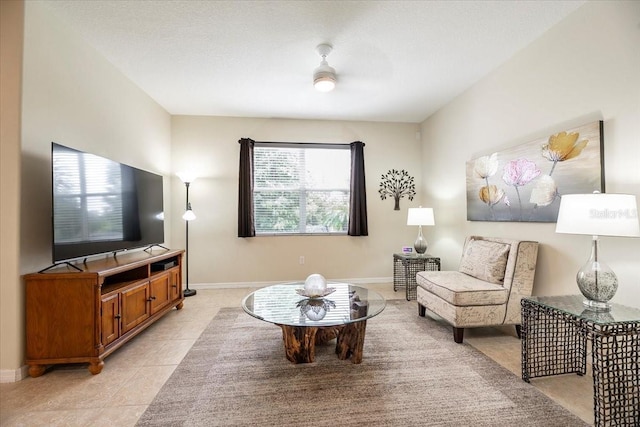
x,y
397,184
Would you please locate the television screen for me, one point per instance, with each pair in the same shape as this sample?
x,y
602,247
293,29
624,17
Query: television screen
x,y
102,206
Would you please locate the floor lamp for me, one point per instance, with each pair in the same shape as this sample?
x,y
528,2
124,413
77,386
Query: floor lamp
x,y
187,216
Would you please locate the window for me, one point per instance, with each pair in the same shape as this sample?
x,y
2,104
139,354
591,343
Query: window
x,y
301,188
301,191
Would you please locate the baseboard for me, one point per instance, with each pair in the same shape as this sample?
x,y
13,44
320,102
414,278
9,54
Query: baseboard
x,y
232,285
13,375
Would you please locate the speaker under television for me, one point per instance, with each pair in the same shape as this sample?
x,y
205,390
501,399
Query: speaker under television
x,y
163,265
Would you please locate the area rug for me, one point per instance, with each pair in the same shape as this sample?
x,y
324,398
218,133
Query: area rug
x,y
412,374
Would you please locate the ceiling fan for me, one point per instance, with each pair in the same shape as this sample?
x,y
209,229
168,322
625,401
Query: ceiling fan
x,y
324,76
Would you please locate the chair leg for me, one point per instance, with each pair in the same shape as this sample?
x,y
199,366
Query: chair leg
x,y
519,331
422,311
458,334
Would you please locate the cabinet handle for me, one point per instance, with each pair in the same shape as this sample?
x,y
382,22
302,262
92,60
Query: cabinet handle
x,y
174,286
117,316
151,298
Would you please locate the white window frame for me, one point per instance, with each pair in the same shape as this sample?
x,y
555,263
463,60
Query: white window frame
x,y
303,191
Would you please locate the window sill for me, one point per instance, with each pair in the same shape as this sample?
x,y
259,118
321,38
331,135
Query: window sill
x,y
300,234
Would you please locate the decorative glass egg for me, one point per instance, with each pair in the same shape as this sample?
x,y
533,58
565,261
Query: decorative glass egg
x,y
315,285
316,310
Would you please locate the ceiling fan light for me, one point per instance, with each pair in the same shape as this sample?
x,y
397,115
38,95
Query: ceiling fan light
x,y
324,84
324,80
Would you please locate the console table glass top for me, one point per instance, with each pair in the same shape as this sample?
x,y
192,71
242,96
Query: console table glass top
x,y
572,305
282,305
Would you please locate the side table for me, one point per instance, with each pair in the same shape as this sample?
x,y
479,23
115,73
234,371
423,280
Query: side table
x,y
405,267
555,333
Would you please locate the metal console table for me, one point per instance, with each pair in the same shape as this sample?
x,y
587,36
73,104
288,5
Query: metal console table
x,y
405,267
555,332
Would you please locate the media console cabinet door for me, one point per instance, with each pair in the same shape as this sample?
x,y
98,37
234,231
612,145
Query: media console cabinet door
x,y
159,292
110,319
175,284
135,309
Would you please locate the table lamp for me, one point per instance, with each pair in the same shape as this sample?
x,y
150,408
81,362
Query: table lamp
x,y
598,214
420,216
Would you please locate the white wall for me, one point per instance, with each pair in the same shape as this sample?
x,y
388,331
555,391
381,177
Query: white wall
x,y
586,68
209,146
73,96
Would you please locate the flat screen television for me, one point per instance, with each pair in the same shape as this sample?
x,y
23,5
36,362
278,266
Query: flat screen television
x,y
101,206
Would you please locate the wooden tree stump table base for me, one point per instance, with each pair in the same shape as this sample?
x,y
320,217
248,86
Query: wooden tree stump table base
x,y
300,341
351,341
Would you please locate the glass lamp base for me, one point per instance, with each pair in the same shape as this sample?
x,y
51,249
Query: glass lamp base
x,y
597,282
420,244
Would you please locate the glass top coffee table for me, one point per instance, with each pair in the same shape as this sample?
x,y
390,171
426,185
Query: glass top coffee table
x,y
342,314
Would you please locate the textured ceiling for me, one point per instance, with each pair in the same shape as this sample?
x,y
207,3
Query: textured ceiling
x,y
396,61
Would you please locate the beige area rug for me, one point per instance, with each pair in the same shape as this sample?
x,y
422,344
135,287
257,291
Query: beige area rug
x,y
412,374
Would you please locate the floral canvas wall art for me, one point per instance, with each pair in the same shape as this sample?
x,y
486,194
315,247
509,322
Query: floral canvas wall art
x,y
525,182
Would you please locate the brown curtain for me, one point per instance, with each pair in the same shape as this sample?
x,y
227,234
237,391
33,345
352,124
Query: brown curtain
x,y
246,227
358,201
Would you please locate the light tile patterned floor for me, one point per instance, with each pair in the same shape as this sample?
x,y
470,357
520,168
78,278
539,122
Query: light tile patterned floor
x,y
70,396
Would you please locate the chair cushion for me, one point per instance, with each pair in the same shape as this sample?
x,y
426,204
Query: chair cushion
x,y
461,289
485,260
462,316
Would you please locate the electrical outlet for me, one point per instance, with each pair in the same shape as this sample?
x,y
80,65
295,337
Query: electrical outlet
x,y
301,260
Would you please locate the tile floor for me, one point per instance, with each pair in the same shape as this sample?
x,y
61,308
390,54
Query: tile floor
x,y
71,396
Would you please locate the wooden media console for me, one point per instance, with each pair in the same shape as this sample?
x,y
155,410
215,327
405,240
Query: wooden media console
x,y
82,317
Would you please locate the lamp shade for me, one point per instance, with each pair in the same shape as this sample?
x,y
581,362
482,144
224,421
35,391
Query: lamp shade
x,y
420,216
187,176
599,214
188,214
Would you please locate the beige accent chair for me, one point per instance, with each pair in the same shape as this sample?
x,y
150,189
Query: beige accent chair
x,y
493,276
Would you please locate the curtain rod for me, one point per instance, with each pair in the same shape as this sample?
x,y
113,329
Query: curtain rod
x,y
295,144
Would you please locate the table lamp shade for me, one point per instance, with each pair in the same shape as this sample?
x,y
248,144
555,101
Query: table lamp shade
x,y
420,216
598,214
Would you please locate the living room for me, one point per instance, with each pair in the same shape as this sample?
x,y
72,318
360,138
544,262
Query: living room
x,y
584,69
